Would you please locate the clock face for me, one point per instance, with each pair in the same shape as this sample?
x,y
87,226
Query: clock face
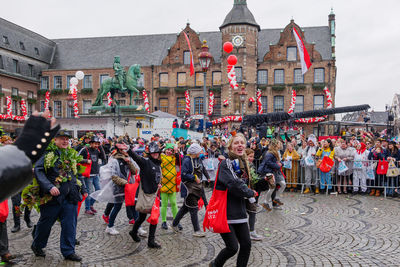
x,y
237,40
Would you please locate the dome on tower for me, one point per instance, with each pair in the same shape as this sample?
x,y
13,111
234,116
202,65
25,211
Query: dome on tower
x,y
240,14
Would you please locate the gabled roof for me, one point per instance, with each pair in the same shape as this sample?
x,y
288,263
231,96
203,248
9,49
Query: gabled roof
x,y
147,50
16,34
319,35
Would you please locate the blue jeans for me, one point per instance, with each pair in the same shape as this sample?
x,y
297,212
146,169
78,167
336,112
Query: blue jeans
x,y
114,212
326,179
93,181
67,213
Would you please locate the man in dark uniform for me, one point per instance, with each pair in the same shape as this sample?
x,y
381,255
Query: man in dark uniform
x,y
62,206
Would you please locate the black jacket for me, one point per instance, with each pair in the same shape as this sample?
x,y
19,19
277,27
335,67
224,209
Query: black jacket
x,y
94,156
150,172
68,190
237,192
269,165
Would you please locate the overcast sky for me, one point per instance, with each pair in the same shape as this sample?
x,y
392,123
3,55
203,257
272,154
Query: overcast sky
x,y
367,31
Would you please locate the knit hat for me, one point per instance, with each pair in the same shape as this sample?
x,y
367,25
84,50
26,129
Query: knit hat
x,y
169,146
194,149
312,138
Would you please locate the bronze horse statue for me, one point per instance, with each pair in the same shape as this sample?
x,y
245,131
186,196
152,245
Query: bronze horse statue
x,y
111,85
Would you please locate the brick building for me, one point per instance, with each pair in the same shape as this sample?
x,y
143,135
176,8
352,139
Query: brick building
x,y
267,60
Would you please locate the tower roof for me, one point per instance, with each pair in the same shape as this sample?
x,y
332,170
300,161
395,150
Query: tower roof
x,y
240,14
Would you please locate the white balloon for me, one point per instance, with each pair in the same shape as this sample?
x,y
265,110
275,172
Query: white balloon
x,y
79,75
74,81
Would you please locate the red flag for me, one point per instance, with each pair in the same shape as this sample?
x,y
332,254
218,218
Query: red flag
x,y
191,55
304,57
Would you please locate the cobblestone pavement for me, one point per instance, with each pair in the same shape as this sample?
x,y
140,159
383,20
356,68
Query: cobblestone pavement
x,y
309,231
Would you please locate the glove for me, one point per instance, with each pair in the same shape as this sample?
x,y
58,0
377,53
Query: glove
x,y
35,137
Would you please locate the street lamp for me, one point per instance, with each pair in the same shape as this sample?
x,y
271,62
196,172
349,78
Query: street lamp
x,y
205,60
242,96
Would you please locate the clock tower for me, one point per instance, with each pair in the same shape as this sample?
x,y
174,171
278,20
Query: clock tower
x,y
240,28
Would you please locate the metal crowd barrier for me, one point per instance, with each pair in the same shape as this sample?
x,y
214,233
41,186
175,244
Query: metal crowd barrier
x,y
381,182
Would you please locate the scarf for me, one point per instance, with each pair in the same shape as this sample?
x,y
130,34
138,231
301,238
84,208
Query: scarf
x,y
362,149
243,163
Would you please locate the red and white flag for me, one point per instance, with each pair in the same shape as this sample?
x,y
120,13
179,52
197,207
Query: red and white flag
x,y
304,57
191,55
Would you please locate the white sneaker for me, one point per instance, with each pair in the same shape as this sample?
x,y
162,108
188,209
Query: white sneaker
x,y
254,236
142,232
111,231
199,234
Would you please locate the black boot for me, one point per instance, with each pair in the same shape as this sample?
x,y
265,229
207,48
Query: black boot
x,y
153,244
134,236
152,233
17,221
27,217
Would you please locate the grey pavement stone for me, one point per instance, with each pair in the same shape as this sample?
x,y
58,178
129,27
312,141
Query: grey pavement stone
x,y
311,230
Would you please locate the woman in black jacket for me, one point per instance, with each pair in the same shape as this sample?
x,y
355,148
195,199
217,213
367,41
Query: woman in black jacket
x,y
150,181
233,171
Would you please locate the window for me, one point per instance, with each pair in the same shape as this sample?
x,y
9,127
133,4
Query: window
x,y
57,82
278,103
262,77
186,57
291,53
163,79
298,76
15,109
14,91
217,106
139,102
299,107
318,102
37,51
1,62
30,94
70,111
198,105
69,77
216,78
57,109
164,104
16,68
181,107
199,79
239,74
30,109
279,76
21,45
264,103
86,105
181,79
41,105
5,40
30,70
140,82
87,81
44,83
319,75
103,77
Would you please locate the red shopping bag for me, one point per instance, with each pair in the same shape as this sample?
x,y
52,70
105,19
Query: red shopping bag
x,y
88,166
4,210
383,167
215,218
155,212
178,177
200,203
80,204
326,164
130,191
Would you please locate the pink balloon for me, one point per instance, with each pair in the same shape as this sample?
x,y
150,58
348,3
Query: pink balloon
x,y
228,47
232,60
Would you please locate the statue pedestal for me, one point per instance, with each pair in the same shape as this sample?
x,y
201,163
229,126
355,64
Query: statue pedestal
x,y
132,109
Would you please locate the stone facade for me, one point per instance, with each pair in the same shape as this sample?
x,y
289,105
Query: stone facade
x,y
167,77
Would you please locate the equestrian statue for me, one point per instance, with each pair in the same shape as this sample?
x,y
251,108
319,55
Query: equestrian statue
x,y
122,82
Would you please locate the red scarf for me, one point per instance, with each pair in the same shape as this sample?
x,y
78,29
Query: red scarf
x,y
362,148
